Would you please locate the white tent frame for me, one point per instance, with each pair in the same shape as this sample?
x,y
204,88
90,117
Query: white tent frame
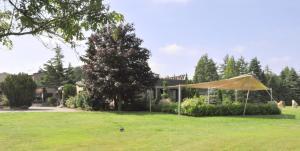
x,y
236,91
208,96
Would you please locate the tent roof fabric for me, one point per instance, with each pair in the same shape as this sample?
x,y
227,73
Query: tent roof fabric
x,y
242,83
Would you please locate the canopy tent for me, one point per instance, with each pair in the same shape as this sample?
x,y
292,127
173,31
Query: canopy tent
x,y
241,83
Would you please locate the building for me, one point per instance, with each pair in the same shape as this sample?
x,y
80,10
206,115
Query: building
x,y
171,81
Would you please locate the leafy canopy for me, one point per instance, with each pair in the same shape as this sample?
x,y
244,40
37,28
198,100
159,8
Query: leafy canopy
x,y
63,19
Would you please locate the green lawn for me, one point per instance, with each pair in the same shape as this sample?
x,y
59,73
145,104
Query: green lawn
x,y
143,132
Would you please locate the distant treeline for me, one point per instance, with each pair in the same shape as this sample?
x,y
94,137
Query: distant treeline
x,y
286,85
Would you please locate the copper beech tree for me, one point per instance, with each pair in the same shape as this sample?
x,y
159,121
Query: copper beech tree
x,y
116,66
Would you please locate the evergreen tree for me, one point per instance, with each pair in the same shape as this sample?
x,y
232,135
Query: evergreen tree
x,y
69,75
230,68
206,70
223,66
241,66
290,89
273,81
54,71
255,68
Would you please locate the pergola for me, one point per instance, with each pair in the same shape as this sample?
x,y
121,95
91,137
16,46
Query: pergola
x,y
245,82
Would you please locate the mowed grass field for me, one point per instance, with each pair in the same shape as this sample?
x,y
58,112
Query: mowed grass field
x,y
99,131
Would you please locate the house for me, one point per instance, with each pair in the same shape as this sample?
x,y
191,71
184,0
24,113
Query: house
x,y
157,90
171,81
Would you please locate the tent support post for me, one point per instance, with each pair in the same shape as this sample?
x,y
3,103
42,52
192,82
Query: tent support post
x,y
246,103
271,91
208,96
236,95
179,99
150,101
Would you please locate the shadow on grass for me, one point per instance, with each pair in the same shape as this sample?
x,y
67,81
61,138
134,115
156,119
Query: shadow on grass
x,y
282,116
138,113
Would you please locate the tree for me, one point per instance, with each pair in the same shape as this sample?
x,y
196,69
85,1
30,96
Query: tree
x,y
230,68
241,66
66,20
116,66
19,89
69,75
78,74
273,81
206,70
53,70
255,68
289,85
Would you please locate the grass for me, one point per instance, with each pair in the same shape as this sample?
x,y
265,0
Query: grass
x,y
147,132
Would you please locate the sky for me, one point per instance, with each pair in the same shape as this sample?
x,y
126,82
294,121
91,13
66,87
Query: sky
x,y
178,32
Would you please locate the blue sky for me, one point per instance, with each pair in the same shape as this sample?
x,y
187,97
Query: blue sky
x,y
178,32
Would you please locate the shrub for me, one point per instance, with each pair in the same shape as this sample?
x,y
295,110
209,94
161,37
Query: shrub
x,y
193,108
70,103
190,105
69,90
52,101
19,89
81,100
3,100
166,105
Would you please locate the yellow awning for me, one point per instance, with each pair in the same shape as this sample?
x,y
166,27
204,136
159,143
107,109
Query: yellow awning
x,y
242,83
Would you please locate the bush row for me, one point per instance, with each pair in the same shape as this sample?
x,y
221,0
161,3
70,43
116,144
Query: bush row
x,y
231,109
197,107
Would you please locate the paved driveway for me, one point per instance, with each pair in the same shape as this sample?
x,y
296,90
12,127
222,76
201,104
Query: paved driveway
x,y
40,109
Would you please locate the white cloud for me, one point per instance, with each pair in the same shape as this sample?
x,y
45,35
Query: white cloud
x,y
171,1
156,67
172,49
281,60
239,49
175,49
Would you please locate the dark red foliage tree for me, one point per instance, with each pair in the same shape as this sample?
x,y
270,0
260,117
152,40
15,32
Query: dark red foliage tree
x,y
116,65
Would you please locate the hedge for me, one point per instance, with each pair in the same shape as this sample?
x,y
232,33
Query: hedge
x,y
192,109
197,107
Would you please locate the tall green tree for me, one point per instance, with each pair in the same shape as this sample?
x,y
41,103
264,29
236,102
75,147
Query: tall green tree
x,y
230,69
241,66
206,70
66,20
53,70
69,75
290,85
255,68
273,81
116,66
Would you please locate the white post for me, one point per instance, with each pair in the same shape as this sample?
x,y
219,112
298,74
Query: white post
x,y
246,103
208,96
179,98
236,95
271,91
150,101
156,97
